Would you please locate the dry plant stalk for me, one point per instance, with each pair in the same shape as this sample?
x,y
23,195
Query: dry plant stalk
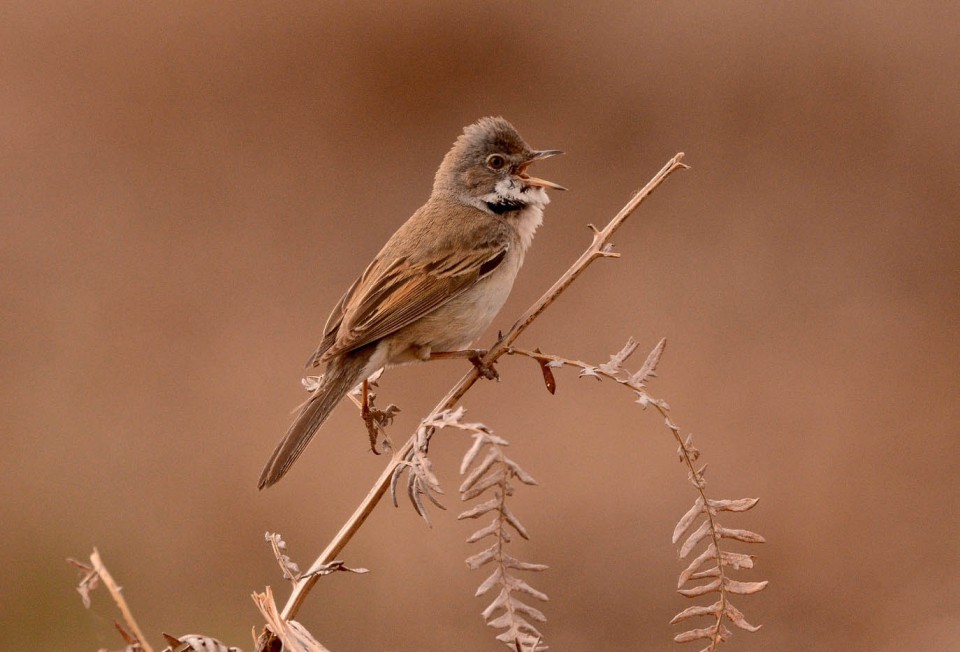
x,y
96,573
600,247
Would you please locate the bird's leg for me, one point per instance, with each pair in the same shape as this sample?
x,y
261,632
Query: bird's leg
x,y
375,419
473,355
368,416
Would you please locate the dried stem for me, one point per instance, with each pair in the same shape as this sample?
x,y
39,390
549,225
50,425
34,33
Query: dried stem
x,y
117,596
599,248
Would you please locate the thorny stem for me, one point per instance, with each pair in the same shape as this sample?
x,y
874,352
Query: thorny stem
x,y
696,476
599,248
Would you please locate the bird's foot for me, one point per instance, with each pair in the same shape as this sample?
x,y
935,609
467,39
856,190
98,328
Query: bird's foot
x,y
375,419
473,355
488,371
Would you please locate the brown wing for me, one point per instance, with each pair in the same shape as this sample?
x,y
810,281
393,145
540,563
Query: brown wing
x,y
389,296
336,317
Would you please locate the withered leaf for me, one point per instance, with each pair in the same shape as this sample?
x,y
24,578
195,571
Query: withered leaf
x,y
548,378
737,560
709,553
488,583
699,610
524,608
737,618
490,480
484,556
687,519
480,510
740,535
703,589
694,634
744,588
515,522
517,584
699,534
486,531
739,505
480,469
649,367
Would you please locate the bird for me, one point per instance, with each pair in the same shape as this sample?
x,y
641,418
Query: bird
x,y
437,283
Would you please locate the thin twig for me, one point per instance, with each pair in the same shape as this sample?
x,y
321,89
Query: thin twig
x,y
117,596
599,248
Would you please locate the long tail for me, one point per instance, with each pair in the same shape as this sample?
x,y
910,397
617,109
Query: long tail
x,y
339,379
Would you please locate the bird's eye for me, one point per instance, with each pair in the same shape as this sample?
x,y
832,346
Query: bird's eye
x,y
496,161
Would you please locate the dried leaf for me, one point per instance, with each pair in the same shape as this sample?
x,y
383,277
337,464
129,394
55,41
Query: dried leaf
x,y
740,535
699,534
687,519
517,584
713,571
649,366
510,562
521,475
524,608
511,518
479,439
737,618
494,479
703,589
693,612
333,567
739,505
737,560
591,372
548,379
709,553
694,634
497,603
484,556
488,583
480,469
491,529
508,619
743,588
617,359
480,510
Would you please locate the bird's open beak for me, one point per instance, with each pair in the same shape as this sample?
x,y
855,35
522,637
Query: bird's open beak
x,y
534,181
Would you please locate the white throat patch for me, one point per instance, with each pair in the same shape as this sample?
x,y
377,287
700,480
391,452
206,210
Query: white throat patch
x,y
529,217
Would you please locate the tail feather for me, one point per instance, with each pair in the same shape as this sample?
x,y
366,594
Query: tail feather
x,y
338,380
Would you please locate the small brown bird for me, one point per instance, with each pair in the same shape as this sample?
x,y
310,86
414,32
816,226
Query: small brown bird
x,y
440,279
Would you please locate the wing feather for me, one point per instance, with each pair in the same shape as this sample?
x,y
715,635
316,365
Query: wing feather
x,y
403,292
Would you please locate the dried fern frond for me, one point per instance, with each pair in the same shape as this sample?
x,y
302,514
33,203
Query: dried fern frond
x,y
491,476
712,563
710,530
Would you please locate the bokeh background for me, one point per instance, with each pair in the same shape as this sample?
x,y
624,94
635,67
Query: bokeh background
x,y
186,189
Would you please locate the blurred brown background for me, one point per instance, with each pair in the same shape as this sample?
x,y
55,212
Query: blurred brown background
x,y
187,188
